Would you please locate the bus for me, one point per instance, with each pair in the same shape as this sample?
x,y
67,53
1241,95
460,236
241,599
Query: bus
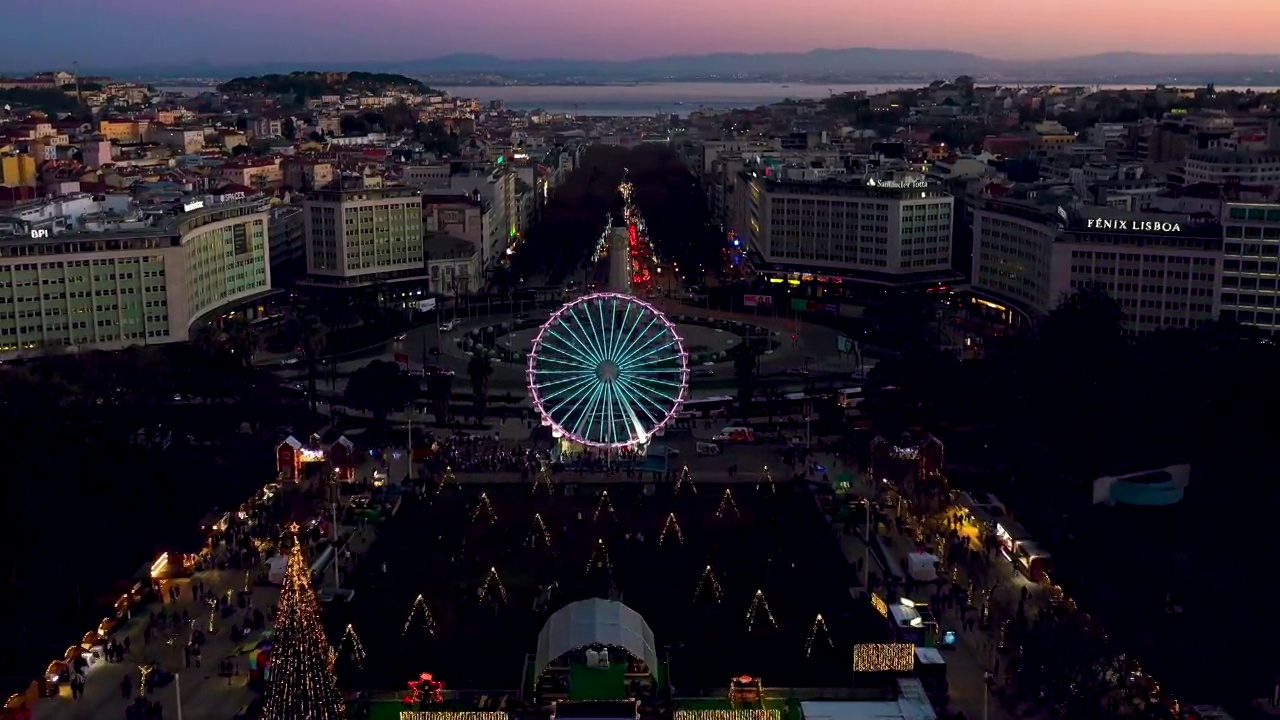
x,y
849,397
708,407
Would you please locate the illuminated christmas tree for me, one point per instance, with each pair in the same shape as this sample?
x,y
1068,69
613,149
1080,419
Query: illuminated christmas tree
x,y
302,685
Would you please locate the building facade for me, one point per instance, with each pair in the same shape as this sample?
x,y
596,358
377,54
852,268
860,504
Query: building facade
x,y
1163,269
357,237
75,291
882,231
1251,245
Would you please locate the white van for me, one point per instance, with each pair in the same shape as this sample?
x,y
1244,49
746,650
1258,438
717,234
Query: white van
x,y
735,434
706,449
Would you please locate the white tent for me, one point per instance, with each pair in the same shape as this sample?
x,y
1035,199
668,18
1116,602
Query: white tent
x,y
595,622
922,566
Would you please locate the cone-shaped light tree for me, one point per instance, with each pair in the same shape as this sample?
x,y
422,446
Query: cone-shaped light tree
x,y
303,686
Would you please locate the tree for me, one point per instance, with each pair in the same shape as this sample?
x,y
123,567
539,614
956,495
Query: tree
x,y
311,336
289,129
353,125
480,369
380,388
303,686
440,395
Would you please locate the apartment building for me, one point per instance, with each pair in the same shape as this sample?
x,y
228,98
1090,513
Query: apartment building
x,y
139,280
358,237
1237,167
888,231
1034,248
1251,246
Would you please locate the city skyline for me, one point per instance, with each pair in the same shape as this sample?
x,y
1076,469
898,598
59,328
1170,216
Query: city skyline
x,y
238,32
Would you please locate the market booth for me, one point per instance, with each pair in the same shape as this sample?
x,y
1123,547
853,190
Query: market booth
x,y
292,454
343,458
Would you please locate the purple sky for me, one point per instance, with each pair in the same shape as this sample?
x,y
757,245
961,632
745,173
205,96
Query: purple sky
x,y
121,33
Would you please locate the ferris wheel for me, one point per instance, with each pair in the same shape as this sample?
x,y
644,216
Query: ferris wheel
x,y
608,370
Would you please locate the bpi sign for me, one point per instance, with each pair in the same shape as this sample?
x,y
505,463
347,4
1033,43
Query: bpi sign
x,y
1133,225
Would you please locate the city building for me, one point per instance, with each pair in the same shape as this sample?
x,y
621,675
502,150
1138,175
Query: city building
x,y
288,243
1226,166
114,279
355,238
1034,247
1251,244
880,232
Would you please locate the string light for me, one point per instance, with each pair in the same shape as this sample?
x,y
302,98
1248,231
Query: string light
x,y
766,478
879,604
539,531
818,624
600,553
758,603
709,580
248,580
486,506
351,640
543,479
302,686
685,478
445,479
726,502
419,608
144,675
605,505
670,525
491,580
213,613
743,714
884,657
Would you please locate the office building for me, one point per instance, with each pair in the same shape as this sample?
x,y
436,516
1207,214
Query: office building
x,y
115,280
1033,248
881,231
1251,244
363,236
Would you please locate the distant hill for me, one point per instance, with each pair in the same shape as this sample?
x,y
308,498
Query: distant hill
x,y
311,84
847,64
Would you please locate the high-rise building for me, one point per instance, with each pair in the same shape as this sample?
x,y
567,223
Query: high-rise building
x,y
1034,249
882,231
359,237
113,282
1251,246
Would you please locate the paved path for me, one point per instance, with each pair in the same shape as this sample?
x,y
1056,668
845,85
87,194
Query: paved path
x,y
206,694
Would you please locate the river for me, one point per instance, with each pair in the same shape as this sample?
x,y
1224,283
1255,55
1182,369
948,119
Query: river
x,y
651,98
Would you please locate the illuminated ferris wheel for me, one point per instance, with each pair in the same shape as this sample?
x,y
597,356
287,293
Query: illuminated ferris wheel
x,y
608,370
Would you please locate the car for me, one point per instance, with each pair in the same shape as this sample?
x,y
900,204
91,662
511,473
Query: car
x,y
290,361
797,371
401,336
521,316
703,372
448,326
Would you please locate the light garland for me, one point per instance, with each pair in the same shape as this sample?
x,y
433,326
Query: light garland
x,y
685,478
880,605
445,479
884,657
598,553
491,580
605,505
709,579
726,502
302,685
670,525
759,603
419,608
350,639
486,506
213,613
760,714
543,479
766,478
818,625
539,531
144,672
452,715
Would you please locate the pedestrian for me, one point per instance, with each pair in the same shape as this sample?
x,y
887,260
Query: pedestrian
x,y
126,687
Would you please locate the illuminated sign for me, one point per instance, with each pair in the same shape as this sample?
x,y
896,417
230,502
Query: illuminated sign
x,y
188,207
37,234
898,184
230,197
1134,225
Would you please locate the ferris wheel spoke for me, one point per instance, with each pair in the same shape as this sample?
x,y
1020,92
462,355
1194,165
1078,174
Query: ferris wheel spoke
x,y
629,331
608,312
589,338
573,406
579,344
564,349
636,339
563,383
629,391
619,329
647,358
658,381
591,414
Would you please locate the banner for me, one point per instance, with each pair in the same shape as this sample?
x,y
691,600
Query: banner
x,y
757,300
402,359
427,305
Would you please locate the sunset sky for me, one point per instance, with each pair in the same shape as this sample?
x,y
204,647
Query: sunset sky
x,y
120,33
